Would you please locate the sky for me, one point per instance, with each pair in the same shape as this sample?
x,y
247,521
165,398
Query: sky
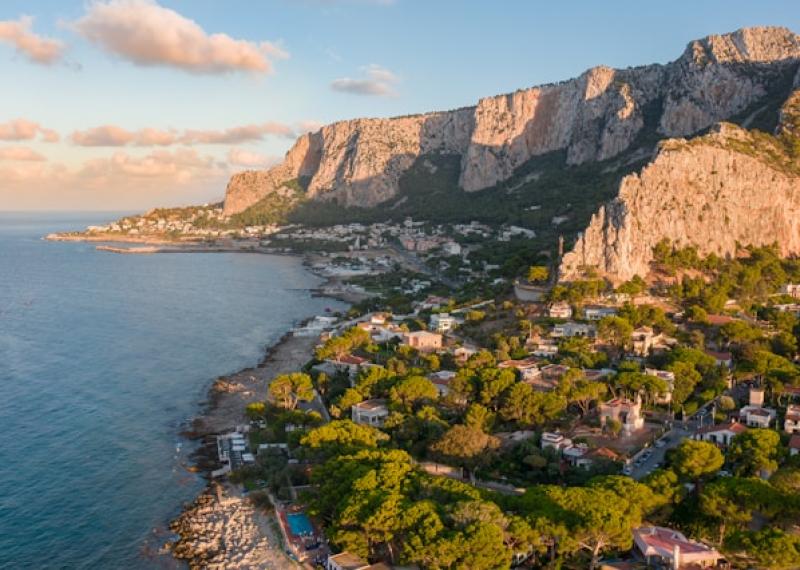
x,y
132,104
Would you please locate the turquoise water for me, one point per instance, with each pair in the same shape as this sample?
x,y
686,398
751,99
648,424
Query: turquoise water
x,y
300,524
103,358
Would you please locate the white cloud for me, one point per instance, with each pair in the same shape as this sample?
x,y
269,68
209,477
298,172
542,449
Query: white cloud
x,y
180,167
377,81
38,49
21,153
148,34
113,135
25,130
249,159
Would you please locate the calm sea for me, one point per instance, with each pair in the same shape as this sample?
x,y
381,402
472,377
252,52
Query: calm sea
x,y
103,357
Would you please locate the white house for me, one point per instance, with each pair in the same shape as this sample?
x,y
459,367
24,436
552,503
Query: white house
x,y
571,329
370,412
755,414
597,312
442,322
791,289
673,549
791,423
721,434
555,440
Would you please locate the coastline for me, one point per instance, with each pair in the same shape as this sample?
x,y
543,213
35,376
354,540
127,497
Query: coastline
x,y
221,528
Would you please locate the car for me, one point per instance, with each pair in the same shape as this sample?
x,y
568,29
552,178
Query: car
x,y
627,470
724,473
661,442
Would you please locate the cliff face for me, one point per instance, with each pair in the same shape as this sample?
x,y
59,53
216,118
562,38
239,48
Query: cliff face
x,y
596,116
726,187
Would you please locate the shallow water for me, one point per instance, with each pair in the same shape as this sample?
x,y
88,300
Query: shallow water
x,y
103,357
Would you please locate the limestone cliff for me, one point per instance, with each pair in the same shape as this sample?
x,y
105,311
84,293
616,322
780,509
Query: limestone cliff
x,y
730,186
599,115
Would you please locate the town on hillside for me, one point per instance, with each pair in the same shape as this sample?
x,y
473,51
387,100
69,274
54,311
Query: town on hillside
x,y
505,419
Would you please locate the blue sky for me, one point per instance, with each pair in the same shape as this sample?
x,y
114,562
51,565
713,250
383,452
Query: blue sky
x,y
407,55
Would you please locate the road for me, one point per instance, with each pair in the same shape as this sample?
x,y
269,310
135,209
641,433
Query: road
x,y
675,436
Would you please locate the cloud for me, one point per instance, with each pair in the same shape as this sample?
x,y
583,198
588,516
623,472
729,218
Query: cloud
x,y
21,153
148,34
180,167
25,130
236,135
38,49
112,135
378,81
249,159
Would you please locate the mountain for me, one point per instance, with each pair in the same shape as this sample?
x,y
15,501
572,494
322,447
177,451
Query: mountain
x,y
562,150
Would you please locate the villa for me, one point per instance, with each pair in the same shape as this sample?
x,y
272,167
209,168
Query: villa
x,y
755,414
572,329
442,322
423,341
555,440
721,434
559,310
528,368
672,549
370,412
627,412
791,423
598,312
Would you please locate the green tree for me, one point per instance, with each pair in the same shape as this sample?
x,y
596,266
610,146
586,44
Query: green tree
x,y
412,390
342,436
465,446
287,390
479,417
616,331
581,391
755,450
697,459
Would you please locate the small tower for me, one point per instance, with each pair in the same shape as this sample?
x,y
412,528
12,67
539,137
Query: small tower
x,y
757,397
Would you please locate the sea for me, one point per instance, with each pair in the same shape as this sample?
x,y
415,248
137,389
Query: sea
x,y
104,358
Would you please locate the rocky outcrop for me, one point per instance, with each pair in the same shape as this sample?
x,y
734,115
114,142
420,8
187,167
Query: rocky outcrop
x,y
715,192
596,116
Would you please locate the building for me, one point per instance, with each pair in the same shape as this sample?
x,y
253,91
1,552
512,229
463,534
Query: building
x,y
721,434
348,364
755,414
441,380
462,353
555,440
645,341
625,411
722,358
571,329
554,372
370,413
527,368
442,322
597,312
794,445
791,423
791,289
559,310
348,561
423,341
672,549
669,378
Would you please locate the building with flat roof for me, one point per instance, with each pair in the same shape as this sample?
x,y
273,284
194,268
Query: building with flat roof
x,y
370,413
423,341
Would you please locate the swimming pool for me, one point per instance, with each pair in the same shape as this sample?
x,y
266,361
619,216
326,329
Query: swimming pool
x,y
299,524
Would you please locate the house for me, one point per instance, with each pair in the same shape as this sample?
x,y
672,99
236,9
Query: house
x,y
571,329
576,455
669,378
721,434
791,289
599,454
379,318
671,548
755,414
544,348
791,422
348,364
794,445
627,412
559,310
722,358
348,561
555,440
441,380
597,312
554,372
423,341
527,368
642,340
462,353
370,413
595,375
442,322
